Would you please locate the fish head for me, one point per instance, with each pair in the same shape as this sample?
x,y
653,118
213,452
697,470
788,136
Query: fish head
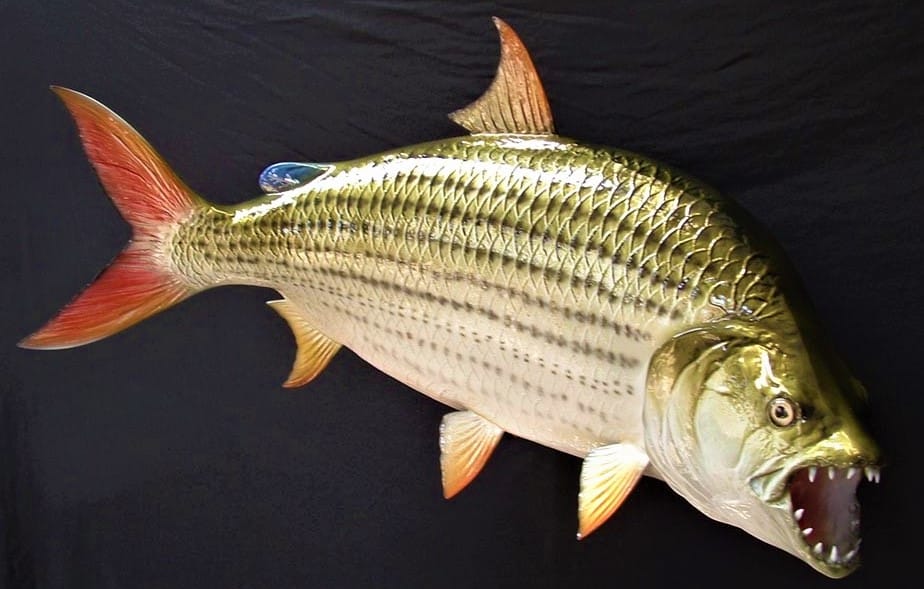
x,y
757,431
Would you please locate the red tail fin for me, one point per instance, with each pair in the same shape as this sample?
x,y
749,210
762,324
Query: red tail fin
x,y
139,282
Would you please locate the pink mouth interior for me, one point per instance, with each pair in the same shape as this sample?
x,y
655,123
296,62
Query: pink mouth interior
x,y
825,509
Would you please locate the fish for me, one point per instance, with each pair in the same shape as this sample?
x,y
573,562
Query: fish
x,y
586,298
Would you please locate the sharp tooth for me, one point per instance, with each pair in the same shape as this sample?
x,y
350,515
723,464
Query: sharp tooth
x,y
813,471
876,476
849,556
850,472
799,513
834,554
817,549
831,472
869,473
807,531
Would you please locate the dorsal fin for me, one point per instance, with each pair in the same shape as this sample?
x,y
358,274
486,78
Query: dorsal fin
x,y
288,175
515,101
315,349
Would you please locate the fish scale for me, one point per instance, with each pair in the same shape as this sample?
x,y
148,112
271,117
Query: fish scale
x,y
587,251
450,209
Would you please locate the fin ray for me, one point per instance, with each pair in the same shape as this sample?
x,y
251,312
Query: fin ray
x,y
466,442
152,199
140,183
515,102
608,475
315,350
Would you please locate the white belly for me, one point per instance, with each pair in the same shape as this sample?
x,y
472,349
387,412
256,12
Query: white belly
x,y
562,381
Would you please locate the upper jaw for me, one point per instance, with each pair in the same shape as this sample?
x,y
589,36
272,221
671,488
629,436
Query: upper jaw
x,y
822,516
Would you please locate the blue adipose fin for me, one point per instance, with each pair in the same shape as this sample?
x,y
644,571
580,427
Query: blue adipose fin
x,y
287,175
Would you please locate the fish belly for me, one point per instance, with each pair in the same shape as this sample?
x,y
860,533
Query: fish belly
x,y
523,366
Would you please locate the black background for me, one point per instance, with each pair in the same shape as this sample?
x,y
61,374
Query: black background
x,y
168,455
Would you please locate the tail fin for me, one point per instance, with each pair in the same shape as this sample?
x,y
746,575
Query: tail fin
x,y
150,196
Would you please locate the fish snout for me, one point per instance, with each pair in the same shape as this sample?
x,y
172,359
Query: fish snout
x,y
849,446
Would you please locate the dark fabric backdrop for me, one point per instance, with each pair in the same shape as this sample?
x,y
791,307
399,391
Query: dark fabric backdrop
x,y
168,456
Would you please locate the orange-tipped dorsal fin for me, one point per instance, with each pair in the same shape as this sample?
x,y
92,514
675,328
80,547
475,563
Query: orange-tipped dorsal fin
x,y
466,443
315,350
608,476
515,101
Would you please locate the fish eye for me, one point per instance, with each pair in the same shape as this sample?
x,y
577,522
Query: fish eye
x,y
783,412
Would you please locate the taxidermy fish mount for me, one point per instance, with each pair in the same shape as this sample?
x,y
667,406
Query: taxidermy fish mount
x,y
587,298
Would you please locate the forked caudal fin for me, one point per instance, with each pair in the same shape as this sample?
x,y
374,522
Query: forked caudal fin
x,y
150,196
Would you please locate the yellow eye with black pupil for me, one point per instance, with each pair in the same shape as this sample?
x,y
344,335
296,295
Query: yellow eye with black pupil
x,y
783,412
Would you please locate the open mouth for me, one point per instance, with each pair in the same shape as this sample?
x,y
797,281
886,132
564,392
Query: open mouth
x,y
826,511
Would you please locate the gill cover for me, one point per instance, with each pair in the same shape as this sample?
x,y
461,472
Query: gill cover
x,y
707,431
677,372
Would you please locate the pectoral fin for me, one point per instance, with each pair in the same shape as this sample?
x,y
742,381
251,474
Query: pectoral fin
x,y
515,101
466,442
608,476
315,349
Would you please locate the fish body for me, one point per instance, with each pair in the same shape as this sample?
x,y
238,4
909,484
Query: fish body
x,y
529,279
587,298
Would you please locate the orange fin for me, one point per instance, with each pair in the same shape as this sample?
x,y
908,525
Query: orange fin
x,y
608,476
315,350
515,101
139,282
466,442
141,184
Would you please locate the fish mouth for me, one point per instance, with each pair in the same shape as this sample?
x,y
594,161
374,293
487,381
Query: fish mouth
x,y
826,513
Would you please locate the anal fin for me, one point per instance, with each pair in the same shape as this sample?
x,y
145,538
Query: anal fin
x,y
466,443
608,476
315,349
